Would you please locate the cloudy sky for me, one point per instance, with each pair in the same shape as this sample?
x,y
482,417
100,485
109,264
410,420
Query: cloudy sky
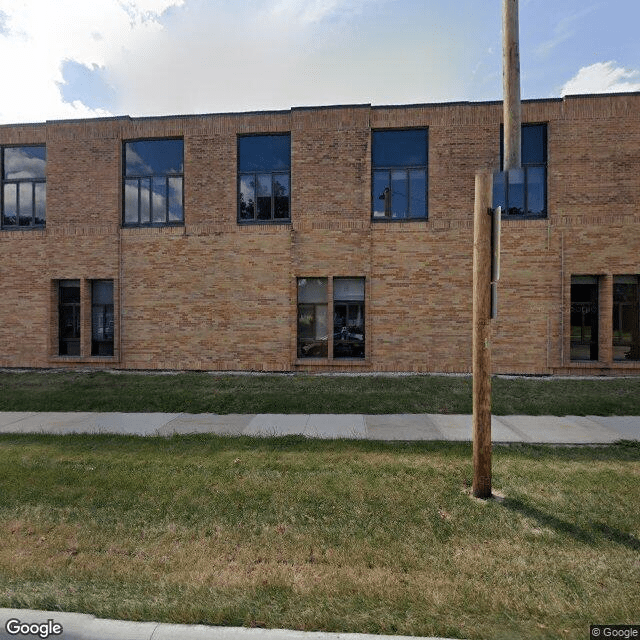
x,y
87,58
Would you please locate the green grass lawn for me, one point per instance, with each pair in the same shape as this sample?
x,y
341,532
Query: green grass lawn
x,y
223,394
321,535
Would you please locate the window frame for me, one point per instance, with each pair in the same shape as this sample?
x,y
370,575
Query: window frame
x,y
348,339
407,168
139,177
273,173
587,309
18,182
324,353
632,345
72,309
525,167
106,308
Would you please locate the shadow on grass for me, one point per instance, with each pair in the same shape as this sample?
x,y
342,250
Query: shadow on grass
x,y
581,534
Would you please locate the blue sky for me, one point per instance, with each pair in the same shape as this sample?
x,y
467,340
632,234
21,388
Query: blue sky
x,y
87,58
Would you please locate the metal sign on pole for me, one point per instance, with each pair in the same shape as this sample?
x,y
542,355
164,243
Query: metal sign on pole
x,y
496,224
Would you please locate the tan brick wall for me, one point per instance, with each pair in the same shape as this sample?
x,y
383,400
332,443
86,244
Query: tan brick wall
x,y
216,295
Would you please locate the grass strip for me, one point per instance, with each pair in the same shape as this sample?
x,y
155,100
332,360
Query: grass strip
x,y
321,535
273,393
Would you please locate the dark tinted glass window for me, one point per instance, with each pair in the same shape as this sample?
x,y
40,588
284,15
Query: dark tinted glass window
x,y
534,144
584,318
264,153
312,318
102,320
523,192
24,189
263,178
399,148
399,181
626,318
153,182
348,318
153,157
69,317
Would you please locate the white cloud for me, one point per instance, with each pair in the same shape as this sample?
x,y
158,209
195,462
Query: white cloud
x,y
39,35
602,77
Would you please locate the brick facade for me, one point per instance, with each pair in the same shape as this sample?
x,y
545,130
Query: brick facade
x,y
216,295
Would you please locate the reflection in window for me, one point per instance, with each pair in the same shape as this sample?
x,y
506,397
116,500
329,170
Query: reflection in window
x,y
626,318
24,187
584,318
69,317
102,318
523,192
264,164
153,182
312,318
399,160
348,317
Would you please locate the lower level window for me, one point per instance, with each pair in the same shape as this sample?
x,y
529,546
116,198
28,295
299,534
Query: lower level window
x,y
626,318
584,318
348,317
312,318
102,318
344,318
76,322
69,317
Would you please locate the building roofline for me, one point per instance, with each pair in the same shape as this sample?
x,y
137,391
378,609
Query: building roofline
x,y
417,105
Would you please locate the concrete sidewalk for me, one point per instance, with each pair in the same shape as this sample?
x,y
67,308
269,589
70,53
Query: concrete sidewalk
x,y
532,429
78,626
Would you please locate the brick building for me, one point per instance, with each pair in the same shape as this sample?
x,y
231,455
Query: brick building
x,y
329,238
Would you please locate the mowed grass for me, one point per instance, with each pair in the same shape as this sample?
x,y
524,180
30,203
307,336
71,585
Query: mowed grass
x,y
273,393
321,535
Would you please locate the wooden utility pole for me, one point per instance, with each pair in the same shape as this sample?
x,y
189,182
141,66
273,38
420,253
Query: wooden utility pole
x,y
511,85
481,362
482,250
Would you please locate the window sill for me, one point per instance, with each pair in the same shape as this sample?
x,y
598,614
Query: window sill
x,y
247,223
326,362
85,359
158,225
392,220
620,365
514,216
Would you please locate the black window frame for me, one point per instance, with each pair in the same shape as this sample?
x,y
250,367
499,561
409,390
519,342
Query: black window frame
x,y
310,345
18,182
69,318
139,177
273,173
585,307
501,192
349,340
102,332
387,194
626,315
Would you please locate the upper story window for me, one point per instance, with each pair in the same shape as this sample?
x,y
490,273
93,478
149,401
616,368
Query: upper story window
x,y
264,174
523,192
153,180
24,187
400,176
